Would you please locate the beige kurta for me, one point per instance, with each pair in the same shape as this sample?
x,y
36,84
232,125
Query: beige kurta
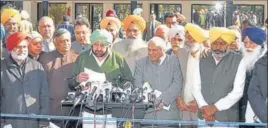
x,y
131,51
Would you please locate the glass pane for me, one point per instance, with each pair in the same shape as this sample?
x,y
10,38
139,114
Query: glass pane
x,y
56,11
208,16
13,4
97,10
161,9
123,10
82,9
254,13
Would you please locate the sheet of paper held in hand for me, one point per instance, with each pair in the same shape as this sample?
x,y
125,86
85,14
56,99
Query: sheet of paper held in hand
x,y
94,76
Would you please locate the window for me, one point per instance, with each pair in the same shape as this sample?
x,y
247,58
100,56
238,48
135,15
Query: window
x,y
254,13
124,9
208,15
55,11
13,4
161,9
91,11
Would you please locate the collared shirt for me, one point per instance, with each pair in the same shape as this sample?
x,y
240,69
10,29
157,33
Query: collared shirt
x,y
162,59
48,46
231,98
79,48
102,61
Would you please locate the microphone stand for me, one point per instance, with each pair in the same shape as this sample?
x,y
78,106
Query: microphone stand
x,y
106,100
81,108
95,103
69,114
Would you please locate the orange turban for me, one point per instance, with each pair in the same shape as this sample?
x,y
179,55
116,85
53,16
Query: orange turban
x,y
112,20
8,13
137,20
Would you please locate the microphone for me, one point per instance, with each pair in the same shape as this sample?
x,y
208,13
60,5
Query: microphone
x,y
81,86
78,99
90,97
140,95
107,94
93,90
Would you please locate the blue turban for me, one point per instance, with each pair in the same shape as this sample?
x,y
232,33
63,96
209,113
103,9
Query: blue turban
x,y
255,34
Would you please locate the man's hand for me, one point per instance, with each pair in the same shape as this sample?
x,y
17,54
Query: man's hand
x,y
160,106
82,77
204,52
209,110
193,107
210,119
181,104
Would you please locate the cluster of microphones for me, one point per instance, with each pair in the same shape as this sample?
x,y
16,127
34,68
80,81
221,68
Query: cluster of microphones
x,y
93,93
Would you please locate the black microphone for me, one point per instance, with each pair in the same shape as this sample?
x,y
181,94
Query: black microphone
x,y
90,97
93,90
80,86
140,95
78,98
107,94
127,85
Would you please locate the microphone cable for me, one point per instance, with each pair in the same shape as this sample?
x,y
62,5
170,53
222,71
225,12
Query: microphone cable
x,y
125,114
69,114
105,115
95,109
81,108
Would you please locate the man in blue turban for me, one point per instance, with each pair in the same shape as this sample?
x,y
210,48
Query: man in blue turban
x,y
254,47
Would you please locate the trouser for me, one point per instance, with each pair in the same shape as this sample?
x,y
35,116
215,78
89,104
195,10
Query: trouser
x,y
188,116
215,126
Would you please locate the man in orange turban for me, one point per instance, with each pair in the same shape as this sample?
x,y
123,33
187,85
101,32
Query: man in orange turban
x,y
133,47
10,18
112,25
134,26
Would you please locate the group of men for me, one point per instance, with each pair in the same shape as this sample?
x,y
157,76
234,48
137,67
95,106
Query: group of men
x,y
200,78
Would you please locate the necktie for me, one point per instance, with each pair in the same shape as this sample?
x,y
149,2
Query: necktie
x,y
152,28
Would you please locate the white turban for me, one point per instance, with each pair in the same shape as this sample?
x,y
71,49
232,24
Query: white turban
x,y
177,29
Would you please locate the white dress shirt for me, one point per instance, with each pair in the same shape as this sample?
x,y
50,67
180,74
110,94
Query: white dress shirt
x,y
98,61
48,46
231,98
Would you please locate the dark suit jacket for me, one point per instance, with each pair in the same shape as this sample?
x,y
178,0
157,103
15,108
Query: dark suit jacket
x,y
257,92
38,58
147,33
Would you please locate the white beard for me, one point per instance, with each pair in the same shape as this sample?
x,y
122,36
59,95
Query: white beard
x,y
250,58
19,56
134,44
192,47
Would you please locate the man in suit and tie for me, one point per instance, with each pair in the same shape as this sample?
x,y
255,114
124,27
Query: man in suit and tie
x,y
150,27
